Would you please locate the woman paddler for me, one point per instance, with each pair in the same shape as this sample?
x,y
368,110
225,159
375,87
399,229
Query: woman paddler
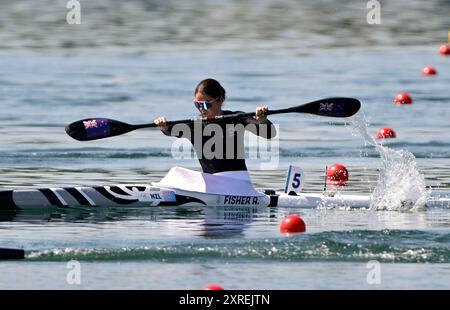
x,y
226,156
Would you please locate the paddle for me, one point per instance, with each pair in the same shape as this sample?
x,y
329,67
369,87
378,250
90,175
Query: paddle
x,y
99,128
6,253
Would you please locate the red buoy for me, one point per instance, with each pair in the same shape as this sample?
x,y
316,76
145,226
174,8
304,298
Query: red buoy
x,y
386,133
292,224
429,71
212,287
403,98
337,175
444,49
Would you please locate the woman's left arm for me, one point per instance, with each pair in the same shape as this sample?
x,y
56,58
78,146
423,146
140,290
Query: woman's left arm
x,y
260,125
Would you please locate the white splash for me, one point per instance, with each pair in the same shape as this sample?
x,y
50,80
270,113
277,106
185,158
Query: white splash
x,y
400,184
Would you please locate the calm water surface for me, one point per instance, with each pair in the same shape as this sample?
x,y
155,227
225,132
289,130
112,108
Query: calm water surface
x,y
137,60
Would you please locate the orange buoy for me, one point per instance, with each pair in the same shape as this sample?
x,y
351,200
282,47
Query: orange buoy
x,y
444,49
292,224
337,174
212,287
403,98
429,71
386,133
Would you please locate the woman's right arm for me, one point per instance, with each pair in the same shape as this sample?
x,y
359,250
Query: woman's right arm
x,y
161,122
178,130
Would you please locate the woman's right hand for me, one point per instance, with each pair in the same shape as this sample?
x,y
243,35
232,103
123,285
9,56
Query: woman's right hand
x,y
161,122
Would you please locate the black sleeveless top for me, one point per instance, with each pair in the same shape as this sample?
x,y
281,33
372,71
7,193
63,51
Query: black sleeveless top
x,y
219,145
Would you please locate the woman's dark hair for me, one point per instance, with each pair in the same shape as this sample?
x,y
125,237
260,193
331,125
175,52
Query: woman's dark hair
x,y
211,88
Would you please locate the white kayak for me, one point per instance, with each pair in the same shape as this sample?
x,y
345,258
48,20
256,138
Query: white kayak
x,y
144,195
190,189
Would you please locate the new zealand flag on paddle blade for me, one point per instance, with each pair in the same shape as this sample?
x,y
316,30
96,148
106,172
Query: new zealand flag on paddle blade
x,y
96,128
331,108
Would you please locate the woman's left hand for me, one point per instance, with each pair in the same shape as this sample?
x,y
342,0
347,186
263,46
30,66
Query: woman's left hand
x,y
261,114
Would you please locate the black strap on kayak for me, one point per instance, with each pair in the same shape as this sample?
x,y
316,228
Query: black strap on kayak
x,y
273,201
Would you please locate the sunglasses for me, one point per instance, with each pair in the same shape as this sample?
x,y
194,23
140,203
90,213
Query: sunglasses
x,y
205,105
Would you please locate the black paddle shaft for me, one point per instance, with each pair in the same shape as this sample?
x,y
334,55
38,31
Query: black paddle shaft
x,y
99,128
331,107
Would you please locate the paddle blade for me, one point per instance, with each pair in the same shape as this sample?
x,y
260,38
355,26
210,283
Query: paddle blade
x,y
332,107
6,253
97,128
